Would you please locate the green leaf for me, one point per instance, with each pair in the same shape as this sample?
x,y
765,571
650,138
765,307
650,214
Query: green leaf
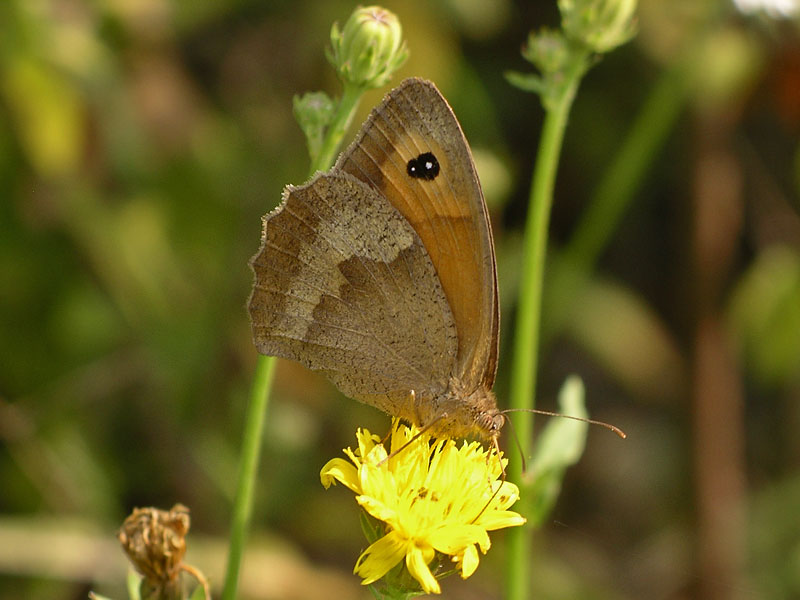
x,y
133,582
560,445
562,441
625,334
764,315
527,82
198,593
46,109
370,527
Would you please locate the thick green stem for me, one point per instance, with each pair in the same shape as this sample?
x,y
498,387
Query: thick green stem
x,y
262,379
351,95
526,337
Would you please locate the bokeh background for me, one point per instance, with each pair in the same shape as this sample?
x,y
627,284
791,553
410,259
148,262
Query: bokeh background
x,y
142,140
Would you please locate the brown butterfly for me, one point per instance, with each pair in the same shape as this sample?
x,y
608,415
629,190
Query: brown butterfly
x,y
381,272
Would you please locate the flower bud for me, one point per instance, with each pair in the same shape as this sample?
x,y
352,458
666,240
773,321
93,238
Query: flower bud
x,y
547,50
369,49
314,112
601,25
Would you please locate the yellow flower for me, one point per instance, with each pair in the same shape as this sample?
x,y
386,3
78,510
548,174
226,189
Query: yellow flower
x,y
431,496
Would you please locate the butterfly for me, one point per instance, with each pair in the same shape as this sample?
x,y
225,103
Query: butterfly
x,y
381,273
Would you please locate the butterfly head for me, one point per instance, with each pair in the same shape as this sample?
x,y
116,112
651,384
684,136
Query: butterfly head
x,y
487,420
460,413
489,423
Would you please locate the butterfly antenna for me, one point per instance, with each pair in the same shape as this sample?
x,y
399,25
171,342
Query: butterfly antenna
x,y
548,413
497,453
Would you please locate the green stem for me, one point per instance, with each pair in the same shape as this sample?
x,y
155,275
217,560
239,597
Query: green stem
x,y
351,95
526,339
265,370
248,470
616,190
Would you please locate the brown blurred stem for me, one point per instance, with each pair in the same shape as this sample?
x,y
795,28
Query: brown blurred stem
x,y
716,389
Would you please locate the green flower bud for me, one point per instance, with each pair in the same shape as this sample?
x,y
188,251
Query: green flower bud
x,y
314,112
601,25
547,50
369,49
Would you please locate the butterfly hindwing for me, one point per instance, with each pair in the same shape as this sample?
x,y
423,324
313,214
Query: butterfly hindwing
x,y
345,286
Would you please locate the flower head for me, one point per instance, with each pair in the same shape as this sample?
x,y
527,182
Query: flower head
x,y
600,24
155,541
369,48
433,498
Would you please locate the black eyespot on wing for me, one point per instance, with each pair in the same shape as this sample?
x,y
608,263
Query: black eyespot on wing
x,y
425,166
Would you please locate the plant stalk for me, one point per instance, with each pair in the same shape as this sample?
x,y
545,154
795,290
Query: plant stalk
x,y
248,470
526,339
264,373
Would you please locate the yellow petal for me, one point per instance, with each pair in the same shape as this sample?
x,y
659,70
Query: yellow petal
x,y
452,539
377,481
381,556
366,442
469,561
353,456
498,519
376,455
338,469
401,435
418,567
508,495
377,509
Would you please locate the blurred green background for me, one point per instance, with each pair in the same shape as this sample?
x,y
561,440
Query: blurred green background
x,y
142,140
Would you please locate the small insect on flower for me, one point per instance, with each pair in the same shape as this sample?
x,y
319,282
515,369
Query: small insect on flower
x,y
434,499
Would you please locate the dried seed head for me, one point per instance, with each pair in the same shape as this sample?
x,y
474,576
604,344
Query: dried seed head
x,y
155,543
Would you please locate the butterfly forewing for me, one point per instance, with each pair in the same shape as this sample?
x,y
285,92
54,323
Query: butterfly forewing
x,y
412,151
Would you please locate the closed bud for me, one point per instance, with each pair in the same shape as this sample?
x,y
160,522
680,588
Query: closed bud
x,y
547,50
601,25
369,49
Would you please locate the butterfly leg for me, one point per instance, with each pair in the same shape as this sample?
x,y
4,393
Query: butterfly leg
x,y
412,397
414,438
489,455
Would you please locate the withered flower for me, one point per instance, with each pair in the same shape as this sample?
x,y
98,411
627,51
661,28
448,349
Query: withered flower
x,y
155,542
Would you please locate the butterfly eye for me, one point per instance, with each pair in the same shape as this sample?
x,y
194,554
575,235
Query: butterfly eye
x,y
425,166
498,420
